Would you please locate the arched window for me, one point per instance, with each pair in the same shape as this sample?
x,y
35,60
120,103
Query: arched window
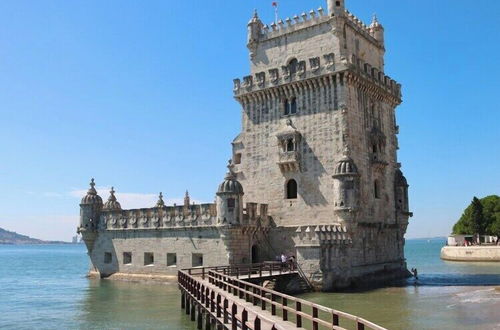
x,y
286,107
290,146
376,189
291,189
292,66
293,106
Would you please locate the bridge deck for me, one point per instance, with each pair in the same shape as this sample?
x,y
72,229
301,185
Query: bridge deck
x,y
219,298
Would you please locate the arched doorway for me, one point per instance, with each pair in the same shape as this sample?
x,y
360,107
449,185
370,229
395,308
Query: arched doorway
x,y
255,254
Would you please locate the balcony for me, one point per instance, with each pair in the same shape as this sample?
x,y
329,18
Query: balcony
x,y
377,161
289,161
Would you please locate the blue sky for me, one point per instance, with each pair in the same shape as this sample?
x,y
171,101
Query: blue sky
x,y
138,94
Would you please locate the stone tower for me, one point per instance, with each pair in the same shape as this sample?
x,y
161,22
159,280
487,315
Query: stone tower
x,y
319,141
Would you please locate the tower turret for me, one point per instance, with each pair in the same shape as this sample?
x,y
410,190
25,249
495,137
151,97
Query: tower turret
x,y
336,7
254,31
401,193
90,211
377,30
346,187
230,199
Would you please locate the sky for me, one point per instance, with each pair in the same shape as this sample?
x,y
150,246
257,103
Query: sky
x,y
138,94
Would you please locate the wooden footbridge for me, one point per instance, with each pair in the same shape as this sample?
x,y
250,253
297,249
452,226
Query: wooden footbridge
x,y
223,298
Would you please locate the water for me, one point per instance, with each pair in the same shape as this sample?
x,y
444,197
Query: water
x,y
44,287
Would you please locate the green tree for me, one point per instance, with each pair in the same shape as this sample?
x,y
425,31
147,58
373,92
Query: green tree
x,y
477,218
491,218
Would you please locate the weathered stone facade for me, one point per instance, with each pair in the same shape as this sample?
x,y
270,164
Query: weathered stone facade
x,y
317,156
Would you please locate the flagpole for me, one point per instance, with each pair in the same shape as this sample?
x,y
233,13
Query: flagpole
x,y
275,5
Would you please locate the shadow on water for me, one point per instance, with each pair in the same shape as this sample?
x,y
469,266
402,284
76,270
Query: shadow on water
x,y
455,280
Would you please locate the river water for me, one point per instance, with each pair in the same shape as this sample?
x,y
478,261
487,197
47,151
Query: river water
x,y
44,287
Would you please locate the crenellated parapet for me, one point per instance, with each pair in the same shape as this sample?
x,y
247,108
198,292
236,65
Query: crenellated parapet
x,y
318,71
305,70
296,23
336,234
171,217
160,217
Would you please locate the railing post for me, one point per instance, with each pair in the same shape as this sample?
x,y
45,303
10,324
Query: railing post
x,y
183,301
200,318
219,300
234,321
262,301
193,312
273,305
244,319
256,324
285,312
224,311
254,297
335,319
207,297
315,316
188,307
298,308
203,273
207,321
212,301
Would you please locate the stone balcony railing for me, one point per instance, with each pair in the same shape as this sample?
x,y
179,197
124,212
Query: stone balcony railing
x,y
378,161
289,161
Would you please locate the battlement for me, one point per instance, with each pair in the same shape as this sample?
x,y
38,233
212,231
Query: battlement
x,y
362,28
307,20
314,68
166,217
290,25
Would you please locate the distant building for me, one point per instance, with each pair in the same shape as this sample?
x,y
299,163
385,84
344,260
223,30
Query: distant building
x,y
314,172
462,240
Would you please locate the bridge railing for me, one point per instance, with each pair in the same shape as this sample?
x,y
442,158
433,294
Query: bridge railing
x,y
317,315
202,302
246,271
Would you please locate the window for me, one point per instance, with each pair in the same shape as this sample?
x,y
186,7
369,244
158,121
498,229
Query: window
x,y
149,258
293,106
290,146
292,66
197,259
286,106
237,158
171,259
376,189
127,258
290,106
291,189
108,257
231,202
337,3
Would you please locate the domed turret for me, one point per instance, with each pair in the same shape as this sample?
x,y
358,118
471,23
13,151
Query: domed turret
x,y
230,185
377,30
346,166
90,212
401,192
346,186
92,198
230,199
112,204
254,32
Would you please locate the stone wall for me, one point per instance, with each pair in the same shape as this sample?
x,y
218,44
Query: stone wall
x,y
471,253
